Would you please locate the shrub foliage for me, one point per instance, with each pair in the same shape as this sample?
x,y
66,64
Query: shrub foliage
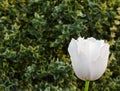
x,y
34,36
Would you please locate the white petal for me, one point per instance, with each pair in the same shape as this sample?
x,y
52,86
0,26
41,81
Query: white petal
x,y
82,47
73,51
98,67
91,39
89,57
92,48
82,67
72,48
79,61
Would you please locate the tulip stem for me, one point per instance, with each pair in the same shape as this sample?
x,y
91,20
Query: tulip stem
x,y
86,85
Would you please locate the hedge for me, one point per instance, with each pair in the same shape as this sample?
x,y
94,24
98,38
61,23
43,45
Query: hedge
x,y
34,37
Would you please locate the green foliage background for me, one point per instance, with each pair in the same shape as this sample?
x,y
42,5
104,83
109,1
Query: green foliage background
x,y
34,37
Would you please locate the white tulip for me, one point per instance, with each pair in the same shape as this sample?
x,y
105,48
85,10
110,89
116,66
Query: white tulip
x,y
89,57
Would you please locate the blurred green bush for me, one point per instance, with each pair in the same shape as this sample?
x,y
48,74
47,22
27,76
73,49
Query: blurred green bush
x,y
34,36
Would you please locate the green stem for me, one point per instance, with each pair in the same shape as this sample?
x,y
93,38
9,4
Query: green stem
x,y
86,85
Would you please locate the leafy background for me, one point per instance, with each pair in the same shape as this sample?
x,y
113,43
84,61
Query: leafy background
x,y
34,37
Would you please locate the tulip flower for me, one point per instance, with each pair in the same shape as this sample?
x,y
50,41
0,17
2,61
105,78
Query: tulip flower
x,y
89,57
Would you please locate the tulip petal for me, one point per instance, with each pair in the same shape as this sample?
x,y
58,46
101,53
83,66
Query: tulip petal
x,y
98,67
72,49
82,67
89,57
91,39
78,61
91,47
82,47
94,49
